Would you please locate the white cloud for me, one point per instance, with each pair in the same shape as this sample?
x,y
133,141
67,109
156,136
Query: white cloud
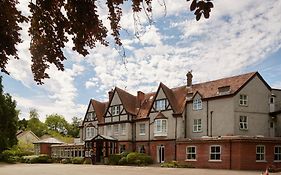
x,y
226,44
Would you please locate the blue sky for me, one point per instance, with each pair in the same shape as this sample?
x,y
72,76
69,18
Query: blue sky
x,y
240,37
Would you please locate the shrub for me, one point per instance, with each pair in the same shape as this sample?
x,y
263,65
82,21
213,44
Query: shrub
x,y
41,159
77,160
176,164
114,159
123,161
124,154
66,161
13,155
87,161
135,158
132,157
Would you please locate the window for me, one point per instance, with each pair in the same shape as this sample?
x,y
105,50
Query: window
x,y
123,128
277,153
142,149
197,125
197,104
260,152
90,132
116,129
190,153
215,152
142,129
160,127
91,116
160,105
243,123
271,100
115,110
108,130
243,100
122,148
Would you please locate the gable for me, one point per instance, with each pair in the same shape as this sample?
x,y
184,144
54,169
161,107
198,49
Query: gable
x,y
255,85
160,95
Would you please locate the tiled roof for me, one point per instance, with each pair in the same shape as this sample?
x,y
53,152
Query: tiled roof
x,y
50,140
128,100
178,96
99,108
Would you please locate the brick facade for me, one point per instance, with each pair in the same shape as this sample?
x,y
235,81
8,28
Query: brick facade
x,y
235,153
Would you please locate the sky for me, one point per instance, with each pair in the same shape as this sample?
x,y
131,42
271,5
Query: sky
x,y
240,37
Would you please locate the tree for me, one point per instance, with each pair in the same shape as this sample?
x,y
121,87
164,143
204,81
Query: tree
x,y
35,125
56,123
73,129
22,124
8,120
50,25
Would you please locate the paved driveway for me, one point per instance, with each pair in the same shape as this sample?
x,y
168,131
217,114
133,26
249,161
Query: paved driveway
x,y
69,169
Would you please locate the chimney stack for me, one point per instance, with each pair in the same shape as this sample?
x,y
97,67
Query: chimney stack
x,y
110,94
140,96
189,78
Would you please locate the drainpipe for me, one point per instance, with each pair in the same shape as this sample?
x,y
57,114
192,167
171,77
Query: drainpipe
x,y
211,123
185,118
149,136
207,118
175,156
230,154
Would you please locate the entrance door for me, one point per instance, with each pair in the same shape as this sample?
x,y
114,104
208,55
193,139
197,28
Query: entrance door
x,y
99,148
161,153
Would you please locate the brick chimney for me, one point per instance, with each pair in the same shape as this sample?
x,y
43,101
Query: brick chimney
x,y
189,78
140,96
110,94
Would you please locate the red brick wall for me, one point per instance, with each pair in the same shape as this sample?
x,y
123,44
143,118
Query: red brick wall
x,y
129,146
235,154
45,148
169,150
202,155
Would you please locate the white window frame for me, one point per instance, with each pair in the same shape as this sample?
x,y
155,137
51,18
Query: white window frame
x,y
243,100
197,125
142,129
191,153
116,129
115,110
90,132
260,155
214,153
197,104
277,154
123,128
160,129
243,122
160,105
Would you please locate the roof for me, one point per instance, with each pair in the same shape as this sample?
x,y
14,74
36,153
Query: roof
x,y
177,96
50,140
21,133
99,108
101,137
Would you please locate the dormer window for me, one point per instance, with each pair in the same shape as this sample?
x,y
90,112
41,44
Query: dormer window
x,y
224,90
243,101
115,110
160,105
197,104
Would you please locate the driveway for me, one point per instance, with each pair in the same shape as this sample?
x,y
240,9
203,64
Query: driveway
x,y
70,169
